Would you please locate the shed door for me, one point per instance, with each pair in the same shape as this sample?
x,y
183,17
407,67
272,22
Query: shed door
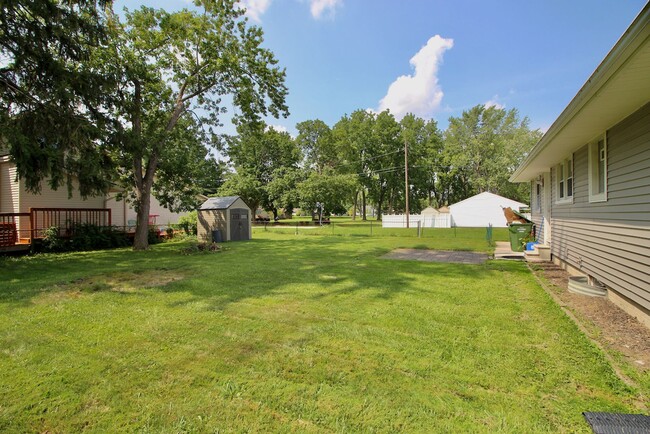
x,y
239,222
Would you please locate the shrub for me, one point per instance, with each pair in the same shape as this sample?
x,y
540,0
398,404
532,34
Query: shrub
x,y
189,223
52,242
87,236
153,235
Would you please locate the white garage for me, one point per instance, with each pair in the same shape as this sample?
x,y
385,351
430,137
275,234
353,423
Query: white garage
x,y
482,210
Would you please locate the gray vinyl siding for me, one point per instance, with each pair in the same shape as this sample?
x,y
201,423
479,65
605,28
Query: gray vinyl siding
x,y
536,212
611,240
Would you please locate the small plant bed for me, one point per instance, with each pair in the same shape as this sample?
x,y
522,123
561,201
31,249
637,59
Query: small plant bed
x,y
196,247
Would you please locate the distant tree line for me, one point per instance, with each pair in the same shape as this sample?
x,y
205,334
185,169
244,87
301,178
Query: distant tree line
x,y
361,161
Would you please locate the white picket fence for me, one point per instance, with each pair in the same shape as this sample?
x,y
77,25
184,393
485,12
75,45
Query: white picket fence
x,y
399,221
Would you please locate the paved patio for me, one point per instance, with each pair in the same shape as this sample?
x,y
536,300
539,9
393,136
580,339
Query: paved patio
x,y
447,256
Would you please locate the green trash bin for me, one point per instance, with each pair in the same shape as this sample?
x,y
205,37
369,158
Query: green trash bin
x,y
518,233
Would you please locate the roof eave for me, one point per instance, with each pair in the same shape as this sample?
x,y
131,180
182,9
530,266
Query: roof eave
x,y
634,37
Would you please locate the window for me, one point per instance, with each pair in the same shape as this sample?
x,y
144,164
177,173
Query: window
x,y
538,196
564,173
598,170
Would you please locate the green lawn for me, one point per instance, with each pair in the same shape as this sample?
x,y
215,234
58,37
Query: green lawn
x,y
472,239
291,333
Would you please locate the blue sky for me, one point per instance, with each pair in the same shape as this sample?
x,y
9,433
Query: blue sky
x,y
435,58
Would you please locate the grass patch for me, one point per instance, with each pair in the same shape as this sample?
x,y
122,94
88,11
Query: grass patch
x,y
286,333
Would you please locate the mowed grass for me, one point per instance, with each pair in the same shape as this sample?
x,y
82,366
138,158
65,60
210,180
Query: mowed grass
x,y
290,333
467,239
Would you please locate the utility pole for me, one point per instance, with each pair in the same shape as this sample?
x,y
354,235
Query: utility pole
x,y
406,179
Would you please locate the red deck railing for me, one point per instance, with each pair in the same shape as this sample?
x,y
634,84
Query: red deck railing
x,y
9,235
66,219
23,227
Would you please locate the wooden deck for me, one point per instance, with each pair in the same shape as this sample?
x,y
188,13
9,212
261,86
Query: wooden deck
x,y
18,231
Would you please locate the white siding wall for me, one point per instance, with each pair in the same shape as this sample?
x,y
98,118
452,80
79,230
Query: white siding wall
x,y
10,196
165,216
123,213
49,198
9,199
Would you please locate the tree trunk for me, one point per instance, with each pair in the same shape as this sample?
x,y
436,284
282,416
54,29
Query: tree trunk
x,y
354,208
141,240
363,205
380,203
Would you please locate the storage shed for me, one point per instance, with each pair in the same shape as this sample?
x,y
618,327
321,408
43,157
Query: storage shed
x,y
430,212
482,210
224,219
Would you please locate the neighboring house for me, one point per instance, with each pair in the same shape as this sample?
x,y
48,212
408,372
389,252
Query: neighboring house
x,y
123,214
14,198
482,210
590,175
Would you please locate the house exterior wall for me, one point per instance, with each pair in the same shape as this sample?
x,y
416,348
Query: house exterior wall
x,y
118,210
124,215
15,198
536,209
210,220
165,216
540,207
9,192
610,240
49,198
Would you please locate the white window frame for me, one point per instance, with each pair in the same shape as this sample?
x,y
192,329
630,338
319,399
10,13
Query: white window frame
x,y
538,189
562,181
597,158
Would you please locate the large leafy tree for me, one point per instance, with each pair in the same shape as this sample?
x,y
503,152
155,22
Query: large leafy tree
x,y
53,98
482,147
353,135
424,141
265,161
332,190
317,143
386,162
177,65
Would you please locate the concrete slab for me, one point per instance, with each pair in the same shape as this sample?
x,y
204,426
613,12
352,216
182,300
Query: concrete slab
x,y
503,251
446,256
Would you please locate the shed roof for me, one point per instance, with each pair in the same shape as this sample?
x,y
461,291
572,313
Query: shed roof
x,y
219,202
429,211
486,196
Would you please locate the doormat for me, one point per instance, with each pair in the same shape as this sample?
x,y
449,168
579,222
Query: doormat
x,y
613,423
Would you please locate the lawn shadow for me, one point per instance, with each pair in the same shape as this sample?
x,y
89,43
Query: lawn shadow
x,y
250,269
338,266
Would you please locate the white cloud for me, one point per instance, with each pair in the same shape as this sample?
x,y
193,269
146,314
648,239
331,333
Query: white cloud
x,y
255,8
419,93
494,102
278,128
318,7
